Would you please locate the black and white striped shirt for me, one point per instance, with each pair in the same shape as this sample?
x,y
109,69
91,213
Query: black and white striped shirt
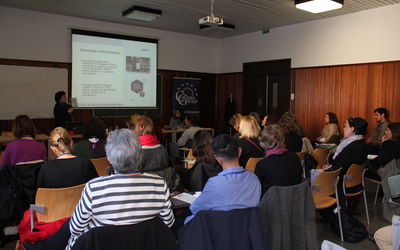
x,y
121,199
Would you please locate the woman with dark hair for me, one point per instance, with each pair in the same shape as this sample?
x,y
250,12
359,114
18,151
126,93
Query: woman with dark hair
x,y
206,166
290,129
390,149
154,158
93,145
352,148
176,120
330,129
279,167
24,148
62,111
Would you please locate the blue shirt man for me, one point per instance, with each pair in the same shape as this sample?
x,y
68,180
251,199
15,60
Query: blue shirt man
x,y
234,187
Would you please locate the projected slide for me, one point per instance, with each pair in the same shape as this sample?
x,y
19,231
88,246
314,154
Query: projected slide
x,y
113,72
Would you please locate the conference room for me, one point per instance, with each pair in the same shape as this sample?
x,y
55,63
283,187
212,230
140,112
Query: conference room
x,y
273,58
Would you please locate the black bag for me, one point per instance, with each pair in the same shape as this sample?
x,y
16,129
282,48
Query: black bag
x,y
353,230
309,163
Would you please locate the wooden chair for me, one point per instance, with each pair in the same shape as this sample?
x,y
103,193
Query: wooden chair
x,y
378,186
190,157
7,133
301,156
322,190
101,165
321,155
251,163
355,178
56,203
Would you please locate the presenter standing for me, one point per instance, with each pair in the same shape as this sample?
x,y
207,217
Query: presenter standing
x,y
62,110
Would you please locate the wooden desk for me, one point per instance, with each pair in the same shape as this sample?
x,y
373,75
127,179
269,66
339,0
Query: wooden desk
x,y
181,130
38,137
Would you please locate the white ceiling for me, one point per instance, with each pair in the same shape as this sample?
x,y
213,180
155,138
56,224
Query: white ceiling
x,y
183,15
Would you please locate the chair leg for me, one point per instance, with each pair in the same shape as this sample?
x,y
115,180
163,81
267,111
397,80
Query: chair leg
x,y
304,169
366,206
376,193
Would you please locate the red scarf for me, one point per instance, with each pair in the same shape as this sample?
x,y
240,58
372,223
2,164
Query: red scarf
x,y
148,140
274,151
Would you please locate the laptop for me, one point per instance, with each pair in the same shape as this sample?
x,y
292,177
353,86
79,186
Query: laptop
x,y
394,188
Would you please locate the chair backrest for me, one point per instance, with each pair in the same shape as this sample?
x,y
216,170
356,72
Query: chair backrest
x,y
301,155
321,155
190,155
251,163
324,184
101,165
147,235
59,202
356,171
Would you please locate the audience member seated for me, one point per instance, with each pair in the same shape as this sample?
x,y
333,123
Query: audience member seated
x,y
291,131
206,166
330,129
381,116
94,134
279,167
235,123
232,188
352,149
24,148
157,125
389,150
249,131
67,170
154,157
176,120
256,116
191,122
127,197
132,118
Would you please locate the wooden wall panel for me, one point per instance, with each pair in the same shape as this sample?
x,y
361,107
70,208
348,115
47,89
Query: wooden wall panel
x,y
227,84
350,90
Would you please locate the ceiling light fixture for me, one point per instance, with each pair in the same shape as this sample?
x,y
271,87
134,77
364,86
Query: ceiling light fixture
x,y
318,6
141,13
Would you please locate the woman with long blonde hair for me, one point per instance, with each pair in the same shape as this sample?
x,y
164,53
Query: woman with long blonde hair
x,y
249,131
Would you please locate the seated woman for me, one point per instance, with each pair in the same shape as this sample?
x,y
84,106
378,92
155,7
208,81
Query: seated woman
x,y
93,145
330,129
291,131
127,197
155,157
279,167
24,148
130,122
389,150
352,149
176,120
249,131
206,166
67,170
235,123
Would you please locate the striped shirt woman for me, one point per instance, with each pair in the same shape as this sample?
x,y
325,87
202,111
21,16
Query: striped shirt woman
x,y
121,199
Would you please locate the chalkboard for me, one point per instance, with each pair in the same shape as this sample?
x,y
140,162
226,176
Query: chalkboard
x,y
125,112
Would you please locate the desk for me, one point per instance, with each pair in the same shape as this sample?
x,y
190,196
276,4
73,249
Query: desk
x,y
38,137
181,130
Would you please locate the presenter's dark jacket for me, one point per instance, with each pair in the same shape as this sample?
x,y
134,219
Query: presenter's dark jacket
x,y
61,114
63,173
279,170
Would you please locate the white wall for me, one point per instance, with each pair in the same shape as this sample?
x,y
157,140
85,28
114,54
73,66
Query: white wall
x,y
367,36
41,36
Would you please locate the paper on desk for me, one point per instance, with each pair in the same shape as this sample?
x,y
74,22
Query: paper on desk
x,y
371,157
185,197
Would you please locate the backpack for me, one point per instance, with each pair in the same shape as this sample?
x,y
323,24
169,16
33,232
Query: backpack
x,y
353,230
